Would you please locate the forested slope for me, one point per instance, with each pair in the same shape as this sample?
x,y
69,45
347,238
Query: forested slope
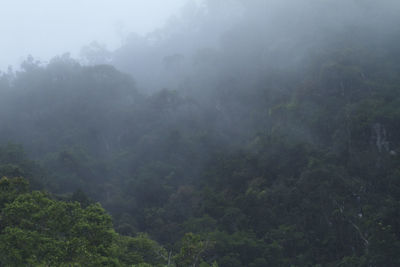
x,y
285,158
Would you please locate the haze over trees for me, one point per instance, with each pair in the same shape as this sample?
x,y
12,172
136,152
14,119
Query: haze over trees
x,y
242,133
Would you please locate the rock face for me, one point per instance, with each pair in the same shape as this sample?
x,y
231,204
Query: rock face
x,y
380,137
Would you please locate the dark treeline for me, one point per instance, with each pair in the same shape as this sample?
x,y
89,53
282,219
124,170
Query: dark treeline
x,y
243,133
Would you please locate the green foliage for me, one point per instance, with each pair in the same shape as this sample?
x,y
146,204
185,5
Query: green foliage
x,y
191,251
15,163
11,188
284,168
140,251
37,230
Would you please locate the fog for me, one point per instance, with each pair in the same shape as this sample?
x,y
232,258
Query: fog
x,y
226,126
220,54
246,35
144,38
46,28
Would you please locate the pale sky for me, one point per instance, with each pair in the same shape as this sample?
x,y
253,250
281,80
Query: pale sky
x,y
45,28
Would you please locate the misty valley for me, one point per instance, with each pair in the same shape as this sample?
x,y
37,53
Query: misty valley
x,y
241,133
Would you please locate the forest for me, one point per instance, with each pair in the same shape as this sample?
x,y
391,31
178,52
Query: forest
x,y
242,133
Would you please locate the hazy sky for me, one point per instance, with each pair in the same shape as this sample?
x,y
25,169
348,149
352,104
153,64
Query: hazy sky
x,y
45,28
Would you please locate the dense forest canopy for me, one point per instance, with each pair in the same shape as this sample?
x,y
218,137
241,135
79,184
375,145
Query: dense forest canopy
x,y
242,133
